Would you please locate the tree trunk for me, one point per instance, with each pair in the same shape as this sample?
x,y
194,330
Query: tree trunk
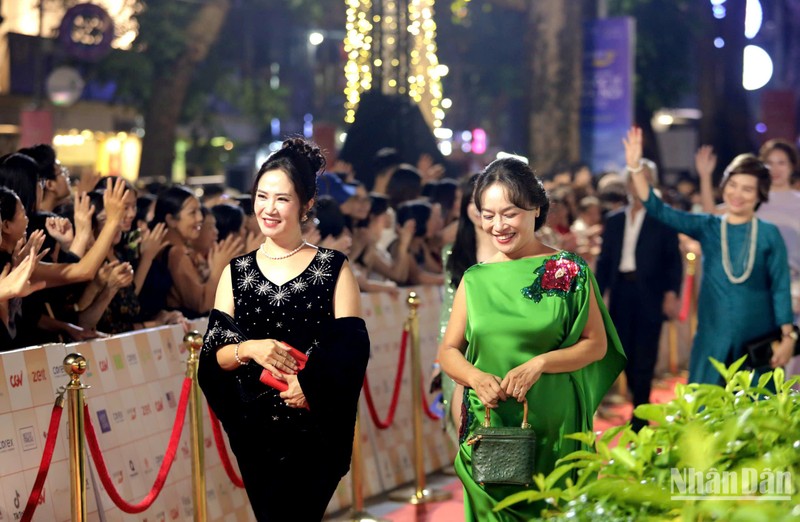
x,y
555,79
169,90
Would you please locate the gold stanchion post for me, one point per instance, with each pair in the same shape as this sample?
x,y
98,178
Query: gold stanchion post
x,y
673,347
691,269
420,494
357,513
194,341
75,364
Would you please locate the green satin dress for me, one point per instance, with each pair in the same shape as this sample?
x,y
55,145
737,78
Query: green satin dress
x,y
516,310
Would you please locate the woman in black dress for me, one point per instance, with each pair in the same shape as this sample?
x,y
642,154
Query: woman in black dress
x,y
294,446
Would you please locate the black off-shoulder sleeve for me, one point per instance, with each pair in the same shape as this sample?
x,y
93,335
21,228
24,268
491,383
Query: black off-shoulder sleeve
x,y
331,382
218,385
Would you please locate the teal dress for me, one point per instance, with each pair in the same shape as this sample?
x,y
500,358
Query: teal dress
x,y
728,314
517,310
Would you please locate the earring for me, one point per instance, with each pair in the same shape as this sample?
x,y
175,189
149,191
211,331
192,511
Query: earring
x,y
305,218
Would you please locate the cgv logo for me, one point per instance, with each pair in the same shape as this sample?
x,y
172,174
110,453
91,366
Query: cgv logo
x,y
15,379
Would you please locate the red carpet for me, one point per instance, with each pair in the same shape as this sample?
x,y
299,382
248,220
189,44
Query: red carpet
x,y
453,509
450,510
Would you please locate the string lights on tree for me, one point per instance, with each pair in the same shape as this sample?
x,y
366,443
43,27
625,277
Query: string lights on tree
x,y
391,46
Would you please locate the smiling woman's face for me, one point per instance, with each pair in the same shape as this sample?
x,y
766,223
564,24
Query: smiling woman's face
x,y
189,219
510,227
277,205
740,195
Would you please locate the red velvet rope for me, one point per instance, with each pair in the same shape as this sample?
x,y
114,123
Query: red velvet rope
x,y
382,425
688,290
166,464
432,415
223,451
44,466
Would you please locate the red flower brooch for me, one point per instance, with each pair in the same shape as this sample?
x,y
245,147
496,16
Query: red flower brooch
x,y
557,276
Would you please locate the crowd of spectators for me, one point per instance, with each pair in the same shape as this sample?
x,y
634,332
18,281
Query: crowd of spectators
x,y
88,257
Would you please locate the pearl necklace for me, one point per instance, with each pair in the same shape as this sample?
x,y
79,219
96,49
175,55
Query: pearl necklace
x,y
751,256
284,256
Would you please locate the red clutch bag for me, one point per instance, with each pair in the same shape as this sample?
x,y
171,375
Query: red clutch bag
x,y
268,379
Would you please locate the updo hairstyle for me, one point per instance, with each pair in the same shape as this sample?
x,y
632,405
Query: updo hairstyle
x,y
523,188
302,161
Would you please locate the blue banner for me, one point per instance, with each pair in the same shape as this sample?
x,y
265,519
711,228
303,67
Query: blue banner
x,y
607,97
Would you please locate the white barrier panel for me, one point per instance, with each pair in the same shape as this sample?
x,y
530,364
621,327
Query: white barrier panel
x,y
29,380
388,454
135,382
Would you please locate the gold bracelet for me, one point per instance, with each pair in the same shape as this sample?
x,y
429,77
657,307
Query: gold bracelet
x,y
236,354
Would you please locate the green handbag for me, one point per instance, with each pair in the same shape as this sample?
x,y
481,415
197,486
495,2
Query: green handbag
x,y
503,455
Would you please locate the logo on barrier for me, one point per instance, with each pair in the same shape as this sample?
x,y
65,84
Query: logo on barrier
x,y
132,413
6,445
118,476
58,372
102,418
146,410
28,437
119,364
16,379
174,513
42,499
171,400
103,364
159,405
159,353
132,359
38,375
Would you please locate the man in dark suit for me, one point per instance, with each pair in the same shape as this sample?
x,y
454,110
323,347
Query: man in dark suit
x,y
640,267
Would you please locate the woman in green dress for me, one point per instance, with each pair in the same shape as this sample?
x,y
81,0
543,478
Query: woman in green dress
x,y
536,329
746,286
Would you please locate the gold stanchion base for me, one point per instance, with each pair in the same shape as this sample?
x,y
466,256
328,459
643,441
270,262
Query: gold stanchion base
x,y
362,516
414,496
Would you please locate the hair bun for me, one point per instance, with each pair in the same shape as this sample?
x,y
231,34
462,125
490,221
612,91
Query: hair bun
x,y
309,150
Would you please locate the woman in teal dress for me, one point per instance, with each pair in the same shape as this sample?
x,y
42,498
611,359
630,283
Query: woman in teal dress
x,y
536,329
745,291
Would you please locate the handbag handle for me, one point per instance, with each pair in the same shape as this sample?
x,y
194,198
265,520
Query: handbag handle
x,y
487,416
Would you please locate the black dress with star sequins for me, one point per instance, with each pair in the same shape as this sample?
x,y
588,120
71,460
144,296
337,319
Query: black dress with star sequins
x,y
288,470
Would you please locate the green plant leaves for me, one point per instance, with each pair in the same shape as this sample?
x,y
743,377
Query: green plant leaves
x,y
705,429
